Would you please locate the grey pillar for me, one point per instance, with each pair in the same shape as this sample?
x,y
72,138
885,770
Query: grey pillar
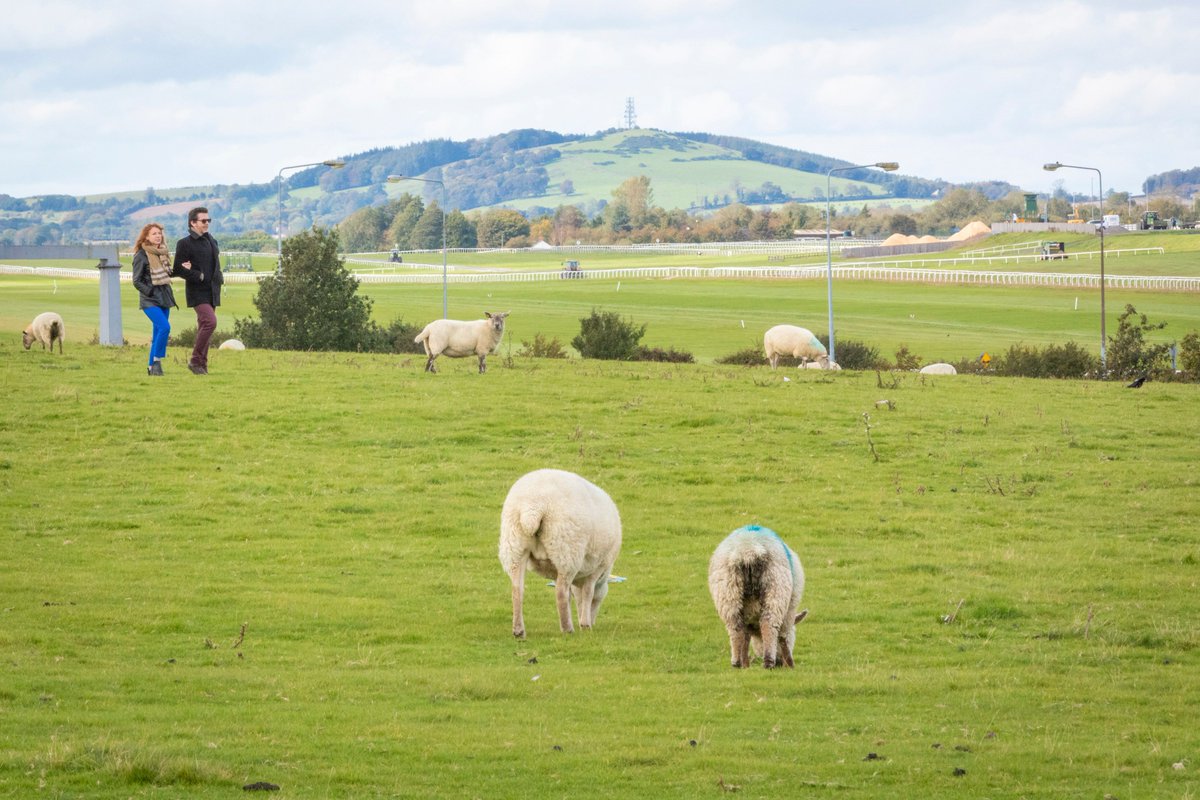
x,y
110,302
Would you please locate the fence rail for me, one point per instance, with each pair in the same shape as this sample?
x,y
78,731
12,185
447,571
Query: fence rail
x,y
879,271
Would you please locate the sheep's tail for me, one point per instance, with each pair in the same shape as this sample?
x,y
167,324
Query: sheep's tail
x,y
530,519
56,331
423,335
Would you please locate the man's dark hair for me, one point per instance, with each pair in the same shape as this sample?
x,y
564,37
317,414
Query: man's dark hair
x,y
195,212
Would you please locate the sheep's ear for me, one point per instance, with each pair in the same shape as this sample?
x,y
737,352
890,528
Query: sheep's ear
x,y
802,615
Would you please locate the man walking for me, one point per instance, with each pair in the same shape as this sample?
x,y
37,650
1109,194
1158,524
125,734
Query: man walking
x,y
204,281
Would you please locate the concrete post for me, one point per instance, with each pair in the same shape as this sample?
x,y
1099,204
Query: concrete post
x,y
110,303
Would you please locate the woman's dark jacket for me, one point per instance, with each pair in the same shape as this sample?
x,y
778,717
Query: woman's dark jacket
x,y
205,278
149,294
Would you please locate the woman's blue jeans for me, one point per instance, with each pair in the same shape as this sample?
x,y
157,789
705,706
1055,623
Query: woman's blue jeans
x,y
160,318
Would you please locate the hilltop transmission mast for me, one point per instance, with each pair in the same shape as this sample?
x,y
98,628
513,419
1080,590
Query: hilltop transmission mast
x,y
630,116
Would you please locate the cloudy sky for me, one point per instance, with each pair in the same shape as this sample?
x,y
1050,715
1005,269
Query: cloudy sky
x,y
125,94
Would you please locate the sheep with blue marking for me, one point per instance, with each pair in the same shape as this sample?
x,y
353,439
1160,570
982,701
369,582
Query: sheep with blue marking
x,y
563,527
756,582
796,342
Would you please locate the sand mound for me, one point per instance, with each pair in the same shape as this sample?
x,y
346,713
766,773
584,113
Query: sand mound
x,y
899,238
971,230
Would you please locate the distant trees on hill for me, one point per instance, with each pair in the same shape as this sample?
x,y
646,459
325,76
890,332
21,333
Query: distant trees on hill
x,y
631,217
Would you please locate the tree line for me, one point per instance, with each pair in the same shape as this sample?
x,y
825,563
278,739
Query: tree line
x,y
632,217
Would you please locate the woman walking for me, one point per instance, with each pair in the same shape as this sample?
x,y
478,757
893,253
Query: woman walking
x,y
152,278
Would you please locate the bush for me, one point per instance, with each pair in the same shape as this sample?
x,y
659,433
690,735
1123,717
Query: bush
x,y
670,355
1021,360
605,335
905,360
187,338
1189,356
312,303
1128,354
1070,360
854,355
397,337
540,347
750,357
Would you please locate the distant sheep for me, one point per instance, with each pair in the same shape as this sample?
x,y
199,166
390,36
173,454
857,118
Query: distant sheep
x,y
789,340
45,328
232,344
939,369
826,364
565,528
756,582
458,339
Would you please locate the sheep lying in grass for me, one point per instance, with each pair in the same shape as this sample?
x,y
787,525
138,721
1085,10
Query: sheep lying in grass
x,y
45,328
457,339
789,340
756,582
565,528
938,369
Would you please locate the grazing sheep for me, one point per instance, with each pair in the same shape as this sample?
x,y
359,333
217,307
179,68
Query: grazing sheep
x,y
45,328
789,340
565,528
756,582
826,364
232,344
457,339
938,369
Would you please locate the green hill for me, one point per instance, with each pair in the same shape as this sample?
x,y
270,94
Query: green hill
x,y
683,173
528,170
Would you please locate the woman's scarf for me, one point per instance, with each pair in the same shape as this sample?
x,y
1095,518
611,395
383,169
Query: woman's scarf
x,y
160,263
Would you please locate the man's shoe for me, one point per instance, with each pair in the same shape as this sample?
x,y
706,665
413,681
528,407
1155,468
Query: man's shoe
x,y
155,369
197,369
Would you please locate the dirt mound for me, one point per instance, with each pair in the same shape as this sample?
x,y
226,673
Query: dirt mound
x,y
970,231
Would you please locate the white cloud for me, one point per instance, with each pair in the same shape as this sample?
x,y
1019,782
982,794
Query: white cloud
x,y
104,97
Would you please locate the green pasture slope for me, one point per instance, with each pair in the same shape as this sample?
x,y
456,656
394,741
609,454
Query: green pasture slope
x,y
286,572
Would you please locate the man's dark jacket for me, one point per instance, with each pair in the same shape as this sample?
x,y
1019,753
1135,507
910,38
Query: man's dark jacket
x,y
205,279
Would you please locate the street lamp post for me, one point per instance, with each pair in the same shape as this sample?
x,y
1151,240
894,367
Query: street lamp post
x,y
886,166
1051,167
335,163
397,179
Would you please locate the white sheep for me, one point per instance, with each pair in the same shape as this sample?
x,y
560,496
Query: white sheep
x,y
938,369
756,582
565,528
826,364
45,328
457,339
232,344
790,340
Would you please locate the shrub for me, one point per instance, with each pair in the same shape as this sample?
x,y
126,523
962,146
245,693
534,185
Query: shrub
x,y
1189,356
540,347
670,355
397,337
1021,360
1128,353
854,355
605,335
1070,360
312,303
750,357
187,338
906,360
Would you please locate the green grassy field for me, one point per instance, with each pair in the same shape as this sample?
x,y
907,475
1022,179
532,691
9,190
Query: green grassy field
x,y
287,572
710,318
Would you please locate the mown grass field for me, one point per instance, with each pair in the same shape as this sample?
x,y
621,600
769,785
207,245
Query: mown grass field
x,y
710,318
286,572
